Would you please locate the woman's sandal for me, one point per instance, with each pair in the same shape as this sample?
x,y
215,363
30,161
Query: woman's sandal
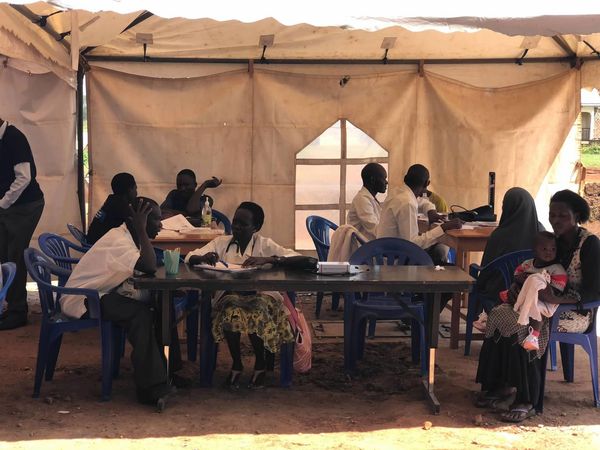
x,y
258,380
485,401
232,382
518,414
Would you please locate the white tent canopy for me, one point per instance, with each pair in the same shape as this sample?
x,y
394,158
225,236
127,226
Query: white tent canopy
x,y
449,93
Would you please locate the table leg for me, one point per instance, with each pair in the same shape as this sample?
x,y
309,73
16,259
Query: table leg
x,y
461,259
433,325
348,301
165,302
207,343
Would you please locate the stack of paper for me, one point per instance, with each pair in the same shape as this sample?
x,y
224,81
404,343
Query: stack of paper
x,y
176,223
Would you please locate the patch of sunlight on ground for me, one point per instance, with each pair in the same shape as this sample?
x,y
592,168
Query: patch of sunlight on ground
x,y
406,438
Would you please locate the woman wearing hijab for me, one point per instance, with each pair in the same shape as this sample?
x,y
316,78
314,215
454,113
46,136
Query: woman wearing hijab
x,y
516,230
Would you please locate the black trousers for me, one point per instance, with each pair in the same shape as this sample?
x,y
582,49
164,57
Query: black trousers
x,y
138,319
17,224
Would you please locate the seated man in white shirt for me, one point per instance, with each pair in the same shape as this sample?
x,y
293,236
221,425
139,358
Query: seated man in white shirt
x,y
399,215
107,267
365,209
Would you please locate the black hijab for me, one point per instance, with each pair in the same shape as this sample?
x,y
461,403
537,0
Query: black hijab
x,y
516,230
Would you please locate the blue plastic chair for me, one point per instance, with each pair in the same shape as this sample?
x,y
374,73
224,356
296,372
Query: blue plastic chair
x,y
388,251
185,307
221,218
9,269
59,249
79,235
55,324
506,265
319,228
209,350
587,340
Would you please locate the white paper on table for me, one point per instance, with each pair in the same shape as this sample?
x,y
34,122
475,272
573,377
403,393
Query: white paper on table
x,y
168,234
468,226
176,223
230,268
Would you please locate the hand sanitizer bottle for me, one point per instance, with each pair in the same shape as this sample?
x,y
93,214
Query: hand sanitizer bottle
x,y
206,214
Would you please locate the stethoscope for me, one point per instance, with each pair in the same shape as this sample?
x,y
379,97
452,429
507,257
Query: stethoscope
x,y
236,242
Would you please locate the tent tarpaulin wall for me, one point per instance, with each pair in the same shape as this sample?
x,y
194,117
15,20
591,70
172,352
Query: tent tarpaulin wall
x,y
153,128
42,106
234,117
248,128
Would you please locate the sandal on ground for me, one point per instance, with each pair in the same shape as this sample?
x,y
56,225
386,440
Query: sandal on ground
x,y
485,400
258,380
502,404
518,414
232,382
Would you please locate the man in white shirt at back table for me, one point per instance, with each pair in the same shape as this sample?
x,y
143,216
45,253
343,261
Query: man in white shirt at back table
x,y
365,210
399,215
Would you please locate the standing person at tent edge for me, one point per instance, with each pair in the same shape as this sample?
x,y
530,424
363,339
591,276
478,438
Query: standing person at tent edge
x,y
21,206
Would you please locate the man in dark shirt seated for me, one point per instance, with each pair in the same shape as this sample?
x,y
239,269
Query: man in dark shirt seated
x,y
188,198
115,209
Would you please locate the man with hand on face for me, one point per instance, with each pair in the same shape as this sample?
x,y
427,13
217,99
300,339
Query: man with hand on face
x,y
21,206
107,268
188,198
399,215
365,210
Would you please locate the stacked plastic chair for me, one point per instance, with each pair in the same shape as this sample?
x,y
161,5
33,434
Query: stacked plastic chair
x,y
55,324
388,251
79,235
9,269
59,249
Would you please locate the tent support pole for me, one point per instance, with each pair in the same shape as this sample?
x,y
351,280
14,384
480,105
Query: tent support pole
x,y
558,59
80,167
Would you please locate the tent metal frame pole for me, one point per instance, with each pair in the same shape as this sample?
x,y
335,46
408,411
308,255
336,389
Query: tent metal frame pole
x,y
258,62
80,166
34,18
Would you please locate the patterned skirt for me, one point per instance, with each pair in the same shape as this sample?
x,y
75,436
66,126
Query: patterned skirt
x,y
256,313
502,321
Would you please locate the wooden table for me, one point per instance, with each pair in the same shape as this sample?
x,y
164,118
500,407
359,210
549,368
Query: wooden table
x,y
464,242
186,242
381,278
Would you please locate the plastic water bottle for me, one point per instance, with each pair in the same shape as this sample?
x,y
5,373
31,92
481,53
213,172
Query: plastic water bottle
x,y
206,214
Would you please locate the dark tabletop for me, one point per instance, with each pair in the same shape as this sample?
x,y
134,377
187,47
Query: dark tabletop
x,y
377,279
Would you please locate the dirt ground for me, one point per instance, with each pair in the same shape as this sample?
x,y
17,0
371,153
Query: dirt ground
x,y
382,408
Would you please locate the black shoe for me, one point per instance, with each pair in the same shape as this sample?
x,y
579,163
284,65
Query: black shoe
x,y
161,402
232,382
13,320
258,380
